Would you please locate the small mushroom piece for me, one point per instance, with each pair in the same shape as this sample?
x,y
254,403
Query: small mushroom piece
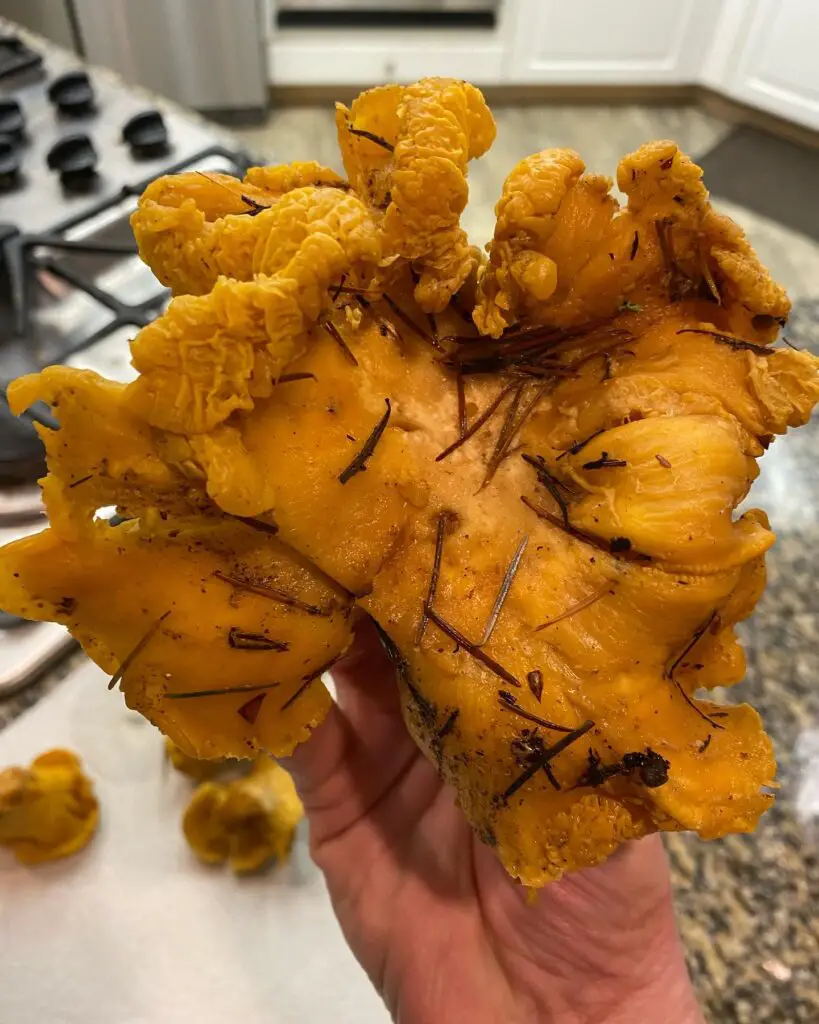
x,y
195,767
247,822
47,810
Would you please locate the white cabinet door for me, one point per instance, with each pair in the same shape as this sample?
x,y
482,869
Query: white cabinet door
x,y
583,42
326,57
776,67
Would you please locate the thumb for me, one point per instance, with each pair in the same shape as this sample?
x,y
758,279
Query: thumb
x,y
349,760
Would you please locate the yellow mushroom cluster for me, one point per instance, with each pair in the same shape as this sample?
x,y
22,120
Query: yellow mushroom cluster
x,y
47,810
245,822
524,465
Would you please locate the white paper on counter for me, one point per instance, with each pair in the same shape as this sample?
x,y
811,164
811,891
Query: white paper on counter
x,y
133,930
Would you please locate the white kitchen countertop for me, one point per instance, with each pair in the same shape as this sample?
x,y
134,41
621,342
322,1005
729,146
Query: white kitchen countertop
x,y
133,930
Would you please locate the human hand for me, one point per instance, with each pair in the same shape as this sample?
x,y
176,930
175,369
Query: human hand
x,y
443,933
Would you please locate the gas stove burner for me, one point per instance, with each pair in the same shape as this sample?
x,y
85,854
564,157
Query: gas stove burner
x,y
9,164
147,135
70,257
27,648
20,503
12,120
76,159
73,94
8,621
15,57
22,457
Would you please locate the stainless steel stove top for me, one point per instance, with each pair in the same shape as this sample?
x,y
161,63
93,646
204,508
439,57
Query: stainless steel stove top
x,y
77,146
100,111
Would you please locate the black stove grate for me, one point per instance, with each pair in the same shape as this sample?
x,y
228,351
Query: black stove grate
x,y
22,256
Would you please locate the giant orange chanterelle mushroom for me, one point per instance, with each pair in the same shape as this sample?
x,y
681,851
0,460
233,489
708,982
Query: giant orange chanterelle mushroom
x,y
523,467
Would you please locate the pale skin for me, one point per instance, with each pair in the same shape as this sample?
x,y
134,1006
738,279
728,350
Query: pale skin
x,y
430,914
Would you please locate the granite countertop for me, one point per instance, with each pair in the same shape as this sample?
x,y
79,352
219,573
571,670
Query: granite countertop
x,y
747,904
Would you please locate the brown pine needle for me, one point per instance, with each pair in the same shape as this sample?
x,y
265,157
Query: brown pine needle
x,y
680,284
695,707
337,290
448,725
464,314
289,378
554,486
578,446
708,277
82,480
472,649
505,436
508,702
254,687
619,547
244,641
503,592
255,207
373,293
359,463
605,461
433,326
512,427
548,755
463,426
259,524
137,650
479,422
371,137
579,607
443,518
738,344
413,326
699,633
272,593
308,679
221,691
335,334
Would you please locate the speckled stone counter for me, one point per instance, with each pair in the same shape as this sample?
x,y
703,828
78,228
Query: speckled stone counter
x,y
748,906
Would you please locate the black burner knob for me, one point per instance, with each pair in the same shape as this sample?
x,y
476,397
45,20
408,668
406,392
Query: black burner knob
x,y
147,134
12,119
72,94
76,160
9,163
